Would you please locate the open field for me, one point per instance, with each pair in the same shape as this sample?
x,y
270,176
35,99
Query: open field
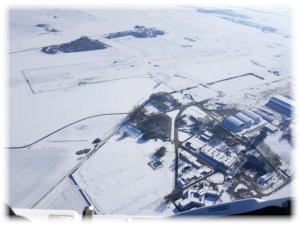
x,y
206,62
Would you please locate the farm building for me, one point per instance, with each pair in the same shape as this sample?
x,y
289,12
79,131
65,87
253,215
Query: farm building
x,y
233,124
268,117
245,119
281,104
252,115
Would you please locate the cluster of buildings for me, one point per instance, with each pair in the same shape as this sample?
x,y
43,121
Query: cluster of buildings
x,y
206,136
194,172
196,198
190,158
193,175
241,120
247,118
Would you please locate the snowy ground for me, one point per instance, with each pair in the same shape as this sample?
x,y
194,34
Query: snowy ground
x,y
208,60
217,178
119,180
200,57
39,167
280,147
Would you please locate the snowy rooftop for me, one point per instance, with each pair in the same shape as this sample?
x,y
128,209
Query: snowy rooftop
x,y
219,156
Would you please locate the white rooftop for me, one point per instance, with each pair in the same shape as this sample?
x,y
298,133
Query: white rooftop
x,y
219,156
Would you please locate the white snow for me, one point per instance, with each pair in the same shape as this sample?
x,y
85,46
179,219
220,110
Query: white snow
x,y
44,96
120,181
39,167
280,147
32,172
240,187
34,116
65,197
217,178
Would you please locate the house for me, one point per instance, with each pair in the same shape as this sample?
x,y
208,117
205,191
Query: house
x,y
96,141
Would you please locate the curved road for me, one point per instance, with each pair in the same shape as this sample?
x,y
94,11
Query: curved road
x,y
105,114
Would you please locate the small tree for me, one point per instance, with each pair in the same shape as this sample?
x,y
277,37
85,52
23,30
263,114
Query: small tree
x,y
138,114
161,151
260,137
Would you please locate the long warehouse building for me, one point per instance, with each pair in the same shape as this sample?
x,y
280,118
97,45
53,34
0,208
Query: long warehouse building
x,y
245,119
281,105
252,115
233,124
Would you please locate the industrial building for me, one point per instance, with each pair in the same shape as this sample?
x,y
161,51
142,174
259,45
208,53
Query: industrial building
x,y
268,117
192,198
270,128
281,105
245,119
206,136
196,198
252,115
215,157
265,178
233,124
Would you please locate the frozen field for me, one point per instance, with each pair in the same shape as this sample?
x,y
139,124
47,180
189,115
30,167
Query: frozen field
x,y
70,76
237,57
120,181
186,50
39,167
50,111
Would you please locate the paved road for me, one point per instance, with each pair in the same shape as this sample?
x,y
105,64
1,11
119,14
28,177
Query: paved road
x,y
177,143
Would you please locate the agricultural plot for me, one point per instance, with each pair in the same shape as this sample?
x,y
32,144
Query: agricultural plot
x,y
70,76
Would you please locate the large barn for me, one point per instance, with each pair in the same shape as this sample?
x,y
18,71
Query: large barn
x,y
281,104
233,124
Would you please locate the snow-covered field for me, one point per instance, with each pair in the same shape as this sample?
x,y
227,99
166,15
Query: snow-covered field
x,y
281,147
35,170
119,180
230,52
202,55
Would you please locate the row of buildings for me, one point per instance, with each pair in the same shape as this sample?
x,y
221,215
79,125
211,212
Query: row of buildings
x,y
247,118
241,120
